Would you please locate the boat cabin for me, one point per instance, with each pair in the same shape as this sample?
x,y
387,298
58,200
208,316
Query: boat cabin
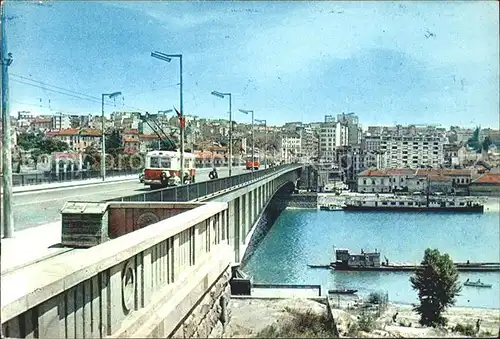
x,y
363,259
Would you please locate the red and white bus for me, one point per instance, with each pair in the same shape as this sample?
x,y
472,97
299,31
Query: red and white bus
x,y
162,169
253,162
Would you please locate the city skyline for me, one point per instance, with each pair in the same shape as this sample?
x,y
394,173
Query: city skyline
x,y
436,61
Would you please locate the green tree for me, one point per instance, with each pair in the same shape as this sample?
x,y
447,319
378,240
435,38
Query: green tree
x,y
437,286
486,144
27,141
114,145
38,144
473,141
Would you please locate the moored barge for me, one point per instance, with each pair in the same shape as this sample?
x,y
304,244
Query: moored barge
x,y
370,261
414,204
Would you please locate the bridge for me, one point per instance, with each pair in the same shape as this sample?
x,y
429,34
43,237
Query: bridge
x,y
154,264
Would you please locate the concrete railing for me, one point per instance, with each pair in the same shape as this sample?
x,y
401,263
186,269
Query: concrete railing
x,y
141,284
202,189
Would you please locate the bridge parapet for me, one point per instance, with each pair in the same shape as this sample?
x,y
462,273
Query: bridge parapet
x,y
203,189
140,284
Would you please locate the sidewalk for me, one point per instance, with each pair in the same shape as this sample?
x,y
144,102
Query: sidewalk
x,y
40,187
29,246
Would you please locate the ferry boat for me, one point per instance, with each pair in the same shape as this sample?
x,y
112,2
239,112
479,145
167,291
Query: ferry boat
x,y
416,204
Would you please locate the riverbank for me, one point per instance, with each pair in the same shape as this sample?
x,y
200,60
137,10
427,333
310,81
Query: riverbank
x,y
253,316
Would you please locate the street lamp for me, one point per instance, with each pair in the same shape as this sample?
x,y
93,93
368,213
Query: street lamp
x,y
168,58
103,141
253,139
222,95
265,132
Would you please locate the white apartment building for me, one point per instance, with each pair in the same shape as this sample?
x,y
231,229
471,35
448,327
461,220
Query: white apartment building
x,y
290,146
61,121
331,136
309,145
413,151
354,131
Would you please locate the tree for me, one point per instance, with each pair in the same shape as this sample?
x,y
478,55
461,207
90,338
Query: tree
x,y
437,286
27,141
38,144
114,144
473,141
486,144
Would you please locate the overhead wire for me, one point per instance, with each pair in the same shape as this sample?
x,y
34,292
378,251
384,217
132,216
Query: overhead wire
x,y
78,95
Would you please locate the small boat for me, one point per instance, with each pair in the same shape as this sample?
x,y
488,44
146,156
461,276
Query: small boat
x,y
477,283
344,291
331,207
318,266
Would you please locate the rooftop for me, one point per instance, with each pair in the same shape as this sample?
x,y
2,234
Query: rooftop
x,y
76,131
488,178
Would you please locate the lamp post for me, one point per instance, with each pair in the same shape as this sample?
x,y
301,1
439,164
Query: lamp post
x,y
168,58
253,139
222,95
265,132
7,215
103,138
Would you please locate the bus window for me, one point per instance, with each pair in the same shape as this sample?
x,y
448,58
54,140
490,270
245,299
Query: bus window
x,y
154,162
165,162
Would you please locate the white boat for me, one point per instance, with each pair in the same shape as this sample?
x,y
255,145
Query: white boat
x,y
417,204
331,207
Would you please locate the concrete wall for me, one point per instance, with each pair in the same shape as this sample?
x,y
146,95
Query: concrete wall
x,y
156,281
126,287
246,206
484,190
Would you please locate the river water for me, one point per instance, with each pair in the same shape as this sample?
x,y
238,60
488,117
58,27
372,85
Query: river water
x,y
301,237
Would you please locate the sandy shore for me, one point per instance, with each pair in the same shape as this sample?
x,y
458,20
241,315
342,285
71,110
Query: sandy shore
x,y
250,316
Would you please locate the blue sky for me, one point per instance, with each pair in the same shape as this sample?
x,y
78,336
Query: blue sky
x,y
288,61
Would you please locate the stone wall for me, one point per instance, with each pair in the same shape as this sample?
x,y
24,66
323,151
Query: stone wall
x,y
211,314
302,200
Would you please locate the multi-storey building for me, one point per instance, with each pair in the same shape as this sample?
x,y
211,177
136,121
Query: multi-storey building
x,y
61,121
41,123
331,136
371,143
308,141
290,146
351,120
78,139
131,141
413,151
409,180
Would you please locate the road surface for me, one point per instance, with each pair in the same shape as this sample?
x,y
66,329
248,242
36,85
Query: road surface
x,y
37,208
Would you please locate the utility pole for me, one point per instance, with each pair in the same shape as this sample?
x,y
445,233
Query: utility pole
x,y
6,58
183,123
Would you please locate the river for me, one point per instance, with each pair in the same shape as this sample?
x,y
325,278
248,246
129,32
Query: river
x,y
301,237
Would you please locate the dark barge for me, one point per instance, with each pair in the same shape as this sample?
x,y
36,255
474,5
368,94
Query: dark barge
x,y
370,261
